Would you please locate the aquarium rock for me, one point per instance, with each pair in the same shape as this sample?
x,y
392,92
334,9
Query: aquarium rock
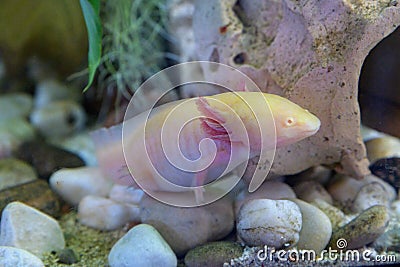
x,y
364,229
15,105
59,119
275,223
356,196
47,158
311,190
308,51
316,229
73,184
27,228
14,132
335,215
11,257
51,90
142,246
36,194
106,214
213,254
186,228
126,194
14,172
383,147
269,190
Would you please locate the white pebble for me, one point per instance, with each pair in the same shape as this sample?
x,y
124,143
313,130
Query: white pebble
x,y
316,227
383,147
27,228
276,223
396,207
186,228
16,257
14,132
51,90
103,213
14,172
75,183
268,190
142,246
15,105
345,190
311,190
370,195
59,119
126,194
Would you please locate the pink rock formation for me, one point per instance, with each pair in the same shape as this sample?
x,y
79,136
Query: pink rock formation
x,y
308,51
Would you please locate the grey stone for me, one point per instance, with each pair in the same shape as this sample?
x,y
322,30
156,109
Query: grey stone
x,y
362,230
27,228
142,246
15,172
16,257
316,227
276,223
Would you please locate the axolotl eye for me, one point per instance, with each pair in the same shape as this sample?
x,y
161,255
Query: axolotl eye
x,y
290,121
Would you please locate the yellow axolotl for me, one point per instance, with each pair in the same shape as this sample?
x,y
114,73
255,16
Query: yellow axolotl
x,y
161,148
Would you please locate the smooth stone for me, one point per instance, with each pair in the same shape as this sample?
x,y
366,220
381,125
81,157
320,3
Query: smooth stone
x,y
268,190
396,207
364,229
67,256
316,227
311,190
186,228
36,194
27,228
126,194
370,195
58,119
319,174
13,133
16,257
142,246
51,90
15,105
103,213
82,145
335,215
73,184
14,172
384,147
213,254
345,190
47,158
275,223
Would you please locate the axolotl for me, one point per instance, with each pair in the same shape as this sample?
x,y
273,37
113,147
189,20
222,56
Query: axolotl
x,y
220,118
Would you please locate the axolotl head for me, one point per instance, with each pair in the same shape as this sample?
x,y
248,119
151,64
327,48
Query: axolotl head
x,y
292,122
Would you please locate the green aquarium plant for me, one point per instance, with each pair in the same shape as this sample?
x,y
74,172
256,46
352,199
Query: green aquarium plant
x,y
126,42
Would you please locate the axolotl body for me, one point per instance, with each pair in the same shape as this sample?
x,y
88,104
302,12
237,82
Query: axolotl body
x,y
219,118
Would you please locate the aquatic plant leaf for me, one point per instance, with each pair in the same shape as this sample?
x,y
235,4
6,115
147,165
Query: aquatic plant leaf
x,y
91,9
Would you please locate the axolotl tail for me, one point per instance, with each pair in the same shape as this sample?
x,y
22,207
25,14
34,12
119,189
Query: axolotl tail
x,y
110,155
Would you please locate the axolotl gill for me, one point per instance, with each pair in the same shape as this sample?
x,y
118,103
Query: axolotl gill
x,y
217,120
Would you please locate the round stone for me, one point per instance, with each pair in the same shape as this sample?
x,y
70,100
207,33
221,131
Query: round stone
x,y
142,246
276,223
